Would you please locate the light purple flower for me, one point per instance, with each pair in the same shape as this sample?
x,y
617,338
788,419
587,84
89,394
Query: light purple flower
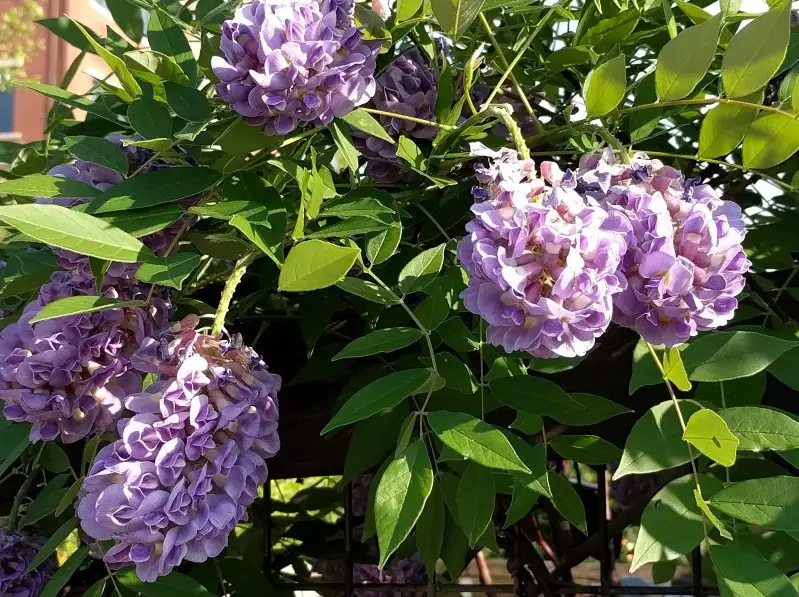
x,y
406,87
685,262
543,261
191,458
68,376
290,62
16,553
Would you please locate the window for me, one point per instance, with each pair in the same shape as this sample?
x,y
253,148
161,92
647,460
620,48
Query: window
x,y
6,112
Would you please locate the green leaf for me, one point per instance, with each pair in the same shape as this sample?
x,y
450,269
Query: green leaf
x,y
379,395
69,497
476,440
385,340
116,64
709,434
671,525
655,442
430,528
730,355
75,231
770,140
15,437
475,499
594,409
771,503
567,501
610,31
723,128
72,305
383,245
73,101
169,271
367,290
25,272
744,572
745,391
96,590
358,205
762,428
42,185
142,222
188,103
349,228
605,86
363,121
535,395
588,449
315,264
344,143
266,228
128,17
455,16
405,434
64,573
98,151
684,60
710,515
53,458
165,36
756,52
401,496
154,188
645,372
170,585
522,501
674,370
154,67
371,440
457,336
406,9
58,537
421,270
65,28
454,548
528,423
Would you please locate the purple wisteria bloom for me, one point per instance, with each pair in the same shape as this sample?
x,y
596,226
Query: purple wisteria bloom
x,y
543,261
406,87
103,178
289,62
685,262
16,553
191,457
68,376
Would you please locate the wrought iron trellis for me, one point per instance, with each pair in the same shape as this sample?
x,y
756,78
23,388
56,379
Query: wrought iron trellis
x,y
532,578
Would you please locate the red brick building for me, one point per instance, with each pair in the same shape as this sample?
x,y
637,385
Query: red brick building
x,y
23,113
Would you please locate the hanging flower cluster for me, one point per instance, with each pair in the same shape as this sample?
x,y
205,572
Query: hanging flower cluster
x,y
685,263
406,87
16,554
190,459
286,63
553,259
69,375
542,260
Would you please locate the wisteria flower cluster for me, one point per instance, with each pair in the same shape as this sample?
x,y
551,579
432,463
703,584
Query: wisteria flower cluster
x,y
543,262
685,262
68,376
190,459
407,87
553,259
16,554
289,62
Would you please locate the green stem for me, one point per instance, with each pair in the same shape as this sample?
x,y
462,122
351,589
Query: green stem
x,y
502,114
230,289
676,403
445,127
704,102
504,62
13,515
681,156
527,43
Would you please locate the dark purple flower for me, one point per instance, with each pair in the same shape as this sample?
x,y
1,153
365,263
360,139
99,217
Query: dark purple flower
x,y
68,376
542,260
406,87
289,62
191,458
16,553
685,263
